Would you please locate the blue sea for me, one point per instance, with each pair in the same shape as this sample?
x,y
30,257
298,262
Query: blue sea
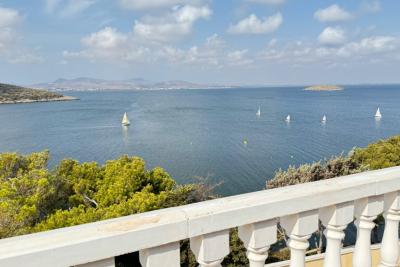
x,y
202,133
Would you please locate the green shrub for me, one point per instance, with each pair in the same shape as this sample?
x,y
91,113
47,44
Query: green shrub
x,y
34,198
383,154
334,167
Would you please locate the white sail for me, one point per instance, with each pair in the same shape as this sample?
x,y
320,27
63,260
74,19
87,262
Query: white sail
x,y
125,120
324,118
258,114
287,118
378,114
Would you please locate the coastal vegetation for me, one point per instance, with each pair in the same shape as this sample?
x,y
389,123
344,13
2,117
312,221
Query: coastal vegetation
x,y
10,94
379,155
334,167
324,88
35,198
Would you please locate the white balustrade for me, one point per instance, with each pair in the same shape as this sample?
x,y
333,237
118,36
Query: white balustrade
x,y
210,249
367,209
390,240
257,238
335,218
166,255
299,228
102,263
157,234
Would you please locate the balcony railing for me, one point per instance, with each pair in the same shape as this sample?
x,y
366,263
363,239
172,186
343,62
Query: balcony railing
x,y
156,235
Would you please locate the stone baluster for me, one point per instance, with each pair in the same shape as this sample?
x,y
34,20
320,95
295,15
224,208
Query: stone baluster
x,y
299,228
257,237
110,262
366,211
390,240
210,249
335,218
166,255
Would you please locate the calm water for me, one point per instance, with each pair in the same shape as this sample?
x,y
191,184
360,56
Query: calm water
x,y
200,132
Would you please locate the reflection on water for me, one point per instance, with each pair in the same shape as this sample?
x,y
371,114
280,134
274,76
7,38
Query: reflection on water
x,y
377,122
197,132
125,134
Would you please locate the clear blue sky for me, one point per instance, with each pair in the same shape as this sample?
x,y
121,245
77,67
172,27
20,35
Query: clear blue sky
x,y
237,41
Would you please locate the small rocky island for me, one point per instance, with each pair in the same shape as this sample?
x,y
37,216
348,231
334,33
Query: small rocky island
x,y
324,88
12,94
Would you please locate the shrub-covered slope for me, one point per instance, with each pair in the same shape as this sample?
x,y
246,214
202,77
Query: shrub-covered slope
x,y
11,93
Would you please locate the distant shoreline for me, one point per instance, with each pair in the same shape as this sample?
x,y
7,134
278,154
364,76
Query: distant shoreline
x,y
27,101
324,88
58,90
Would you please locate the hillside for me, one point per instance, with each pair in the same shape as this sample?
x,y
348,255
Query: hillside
x,y
10,94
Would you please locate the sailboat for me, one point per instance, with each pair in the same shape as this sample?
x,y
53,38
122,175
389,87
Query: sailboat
x,y
258,114
378,114
125,120
287,118
323,119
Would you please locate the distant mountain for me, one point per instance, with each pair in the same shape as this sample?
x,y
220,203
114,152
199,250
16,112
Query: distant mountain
x,y
12,94
90,84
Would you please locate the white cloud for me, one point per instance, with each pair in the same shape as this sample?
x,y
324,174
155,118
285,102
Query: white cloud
x,y
370,45
108,38
110,45
7,39
268,2
239,58
175,25
272,42
74,7
332,13
192,13
200,55
371,7
215,41
210,53
363,51
148,4
25,58
149,39
254,25
51,5
332,36
9,17
67,8
214,52
10,48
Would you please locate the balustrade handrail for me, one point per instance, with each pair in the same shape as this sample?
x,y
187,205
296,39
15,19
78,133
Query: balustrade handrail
x,y
105,239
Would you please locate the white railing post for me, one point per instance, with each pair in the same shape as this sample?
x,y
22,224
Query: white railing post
x,y
110,262
390,240
299,228
335,218
166,255
257,237
366,211
210,249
